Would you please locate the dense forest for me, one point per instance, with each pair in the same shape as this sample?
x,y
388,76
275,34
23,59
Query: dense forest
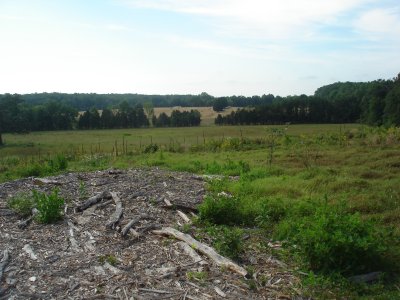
x,y
374,103
83,102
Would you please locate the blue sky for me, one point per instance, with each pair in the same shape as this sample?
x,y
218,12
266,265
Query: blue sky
x,y
222,47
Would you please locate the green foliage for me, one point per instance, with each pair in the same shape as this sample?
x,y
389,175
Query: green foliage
x,y
59,163
198,276
272,211
221,210
228,241
151,148
22,204
83,194
111,259
49,206
331,239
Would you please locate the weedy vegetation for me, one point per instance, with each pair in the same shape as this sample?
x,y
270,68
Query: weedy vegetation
x,y
329,193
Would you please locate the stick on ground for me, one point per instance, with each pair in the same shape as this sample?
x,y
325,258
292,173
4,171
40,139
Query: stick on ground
x,y
202,248
116,216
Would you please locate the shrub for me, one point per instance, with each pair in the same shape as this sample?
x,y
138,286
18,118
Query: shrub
x,y
151,148
227,241
271,212
49,206
22,204
331,239
224,210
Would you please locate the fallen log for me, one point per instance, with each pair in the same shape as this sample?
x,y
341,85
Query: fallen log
x,y
181,207
93,200
4,262
132,222
183,216
190,252
116,216
202,248
43,181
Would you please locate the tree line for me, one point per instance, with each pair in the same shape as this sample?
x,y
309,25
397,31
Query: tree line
x,y
18,116
84,102
178,119
374,103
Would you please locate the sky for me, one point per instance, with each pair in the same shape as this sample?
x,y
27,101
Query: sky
x,y
221,47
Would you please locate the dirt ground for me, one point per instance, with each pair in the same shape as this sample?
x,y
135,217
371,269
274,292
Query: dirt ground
x,y
84,257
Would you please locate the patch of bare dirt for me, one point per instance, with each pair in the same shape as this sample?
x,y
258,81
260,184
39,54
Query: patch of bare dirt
x,y
86,255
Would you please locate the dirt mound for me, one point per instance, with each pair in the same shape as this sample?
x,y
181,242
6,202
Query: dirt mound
x,y
86,256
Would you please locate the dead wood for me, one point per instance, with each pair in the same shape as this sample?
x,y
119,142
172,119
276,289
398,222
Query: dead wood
x,y
181,207
43,181
183,216
149,227
190,252
116,216
6,212
72,240
93,200
132,222
202,248
24,223
4,262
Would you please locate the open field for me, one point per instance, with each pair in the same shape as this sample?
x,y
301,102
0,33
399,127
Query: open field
x,y
208,115
103,141
338,184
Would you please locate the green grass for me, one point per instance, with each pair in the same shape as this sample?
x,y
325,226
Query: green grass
x,y
311,165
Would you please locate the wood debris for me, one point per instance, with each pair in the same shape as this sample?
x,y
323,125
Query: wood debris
x,y
81,258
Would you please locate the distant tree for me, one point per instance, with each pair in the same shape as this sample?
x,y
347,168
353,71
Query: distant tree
x,y
391,115
10,118
107,119
163,120
149,109
220,104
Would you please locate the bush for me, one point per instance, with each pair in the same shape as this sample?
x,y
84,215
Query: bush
x,y
151,148
49,206
332,240
224,210
227,241
272,211
22,204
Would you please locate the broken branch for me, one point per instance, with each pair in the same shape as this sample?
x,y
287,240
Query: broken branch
x,y
116,216
202,248
93,200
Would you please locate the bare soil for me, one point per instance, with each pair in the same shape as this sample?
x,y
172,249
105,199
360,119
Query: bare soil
x,y
81,258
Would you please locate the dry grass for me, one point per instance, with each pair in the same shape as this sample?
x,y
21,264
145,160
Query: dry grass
x,y
208,115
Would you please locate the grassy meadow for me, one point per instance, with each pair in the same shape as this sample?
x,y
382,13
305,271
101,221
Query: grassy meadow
x,y
330,193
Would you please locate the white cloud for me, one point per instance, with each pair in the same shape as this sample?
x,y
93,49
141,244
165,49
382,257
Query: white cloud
x,y
380,23
260,18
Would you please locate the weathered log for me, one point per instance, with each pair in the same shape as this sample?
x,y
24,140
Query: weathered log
x,y
149,227
93,200
43,181
183,216
202,248
181,207
72,240
132,222
4,262
190,252
6,212
116,216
